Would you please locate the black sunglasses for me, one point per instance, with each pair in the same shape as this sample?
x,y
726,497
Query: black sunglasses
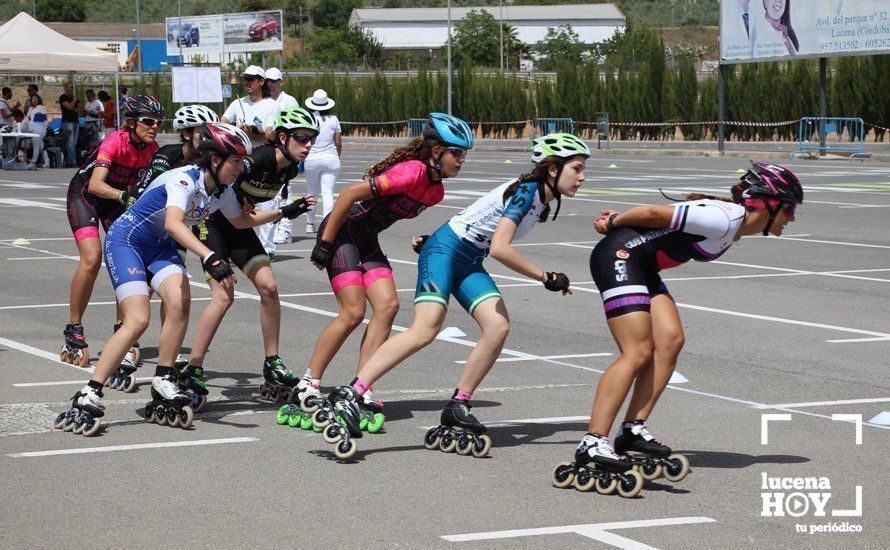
x,y
249,78
302,138
148,121
790,208
457,152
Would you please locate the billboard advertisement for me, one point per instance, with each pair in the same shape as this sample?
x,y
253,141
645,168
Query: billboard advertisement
x,y
231,32
761,30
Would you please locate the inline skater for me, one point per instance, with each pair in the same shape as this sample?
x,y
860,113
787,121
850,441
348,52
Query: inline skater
x,y
644,319
140,250
401,186
98,194
269,168
451,263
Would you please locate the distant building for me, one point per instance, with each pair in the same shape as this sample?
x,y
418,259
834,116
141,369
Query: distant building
x,y
422,29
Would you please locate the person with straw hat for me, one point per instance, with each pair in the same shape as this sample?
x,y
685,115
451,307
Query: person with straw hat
x,y
323,163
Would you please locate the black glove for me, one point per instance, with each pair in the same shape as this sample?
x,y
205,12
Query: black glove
x,y
418,246
321,254
216,267
294,209
124,197
556,282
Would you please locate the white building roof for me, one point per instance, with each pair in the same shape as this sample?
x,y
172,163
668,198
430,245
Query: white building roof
x,y
572,12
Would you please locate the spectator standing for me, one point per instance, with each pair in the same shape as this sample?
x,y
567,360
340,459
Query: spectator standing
x,y
36,125
32,91
70,123
253,113
6,107
121,94
284,102
323,163
109,112
92,112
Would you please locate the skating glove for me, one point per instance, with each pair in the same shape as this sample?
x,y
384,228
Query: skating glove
x,y
124,197
556,282
294,209
321,254
216,267
418,244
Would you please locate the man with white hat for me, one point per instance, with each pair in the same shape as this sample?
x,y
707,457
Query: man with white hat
x,y
257,111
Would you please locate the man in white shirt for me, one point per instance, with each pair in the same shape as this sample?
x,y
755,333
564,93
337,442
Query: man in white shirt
x,y
257,111
92,117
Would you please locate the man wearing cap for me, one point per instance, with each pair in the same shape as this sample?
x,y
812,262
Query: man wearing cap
x,y
257,111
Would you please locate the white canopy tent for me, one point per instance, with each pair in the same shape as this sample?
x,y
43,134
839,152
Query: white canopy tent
x,y
27,46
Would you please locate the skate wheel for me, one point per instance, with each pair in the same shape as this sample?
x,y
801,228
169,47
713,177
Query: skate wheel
x,y
481,446
284,415
172,417
345,449
306,421
320,419
70,419
607,485
83,358
448,443
202,402
79,424
265,391
112,381
649,471
585,480
161,414
63,355
135,352
464,445
376,423
186,417
331,434
128,385
677,468
295,419
363,422
432,439
630,484
91,427
150,413
59,422
563,474
309,405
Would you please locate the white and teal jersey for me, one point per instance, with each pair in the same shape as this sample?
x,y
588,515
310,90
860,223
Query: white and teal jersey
x,y
477,223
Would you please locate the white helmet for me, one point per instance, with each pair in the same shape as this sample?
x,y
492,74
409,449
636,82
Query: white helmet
x,y
192,116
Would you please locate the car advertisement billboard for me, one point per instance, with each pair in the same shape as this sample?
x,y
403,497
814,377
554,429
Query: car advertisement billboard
x,y
231,32
762,30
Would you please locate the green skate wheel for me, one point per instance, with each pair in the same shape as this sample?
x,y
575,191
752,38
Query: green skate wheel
x,y
376,423
363,422
295,418
306,421
283,415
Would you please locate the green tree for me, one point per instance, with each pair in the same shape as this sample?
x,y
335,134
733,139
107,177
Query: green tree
x,y
560,44
255,5
61,10
327,47
477,39
333,14
366,46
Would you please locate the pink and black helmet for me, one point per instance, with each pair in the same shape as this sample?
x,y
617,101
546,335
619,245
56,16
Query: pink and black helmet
x,y
772,181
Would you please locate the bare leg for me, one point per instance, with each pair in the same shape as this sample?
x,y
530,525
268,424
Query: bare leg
x,y
84,278
270,306
136,315
428,319
384,307
177,298
352,313
495,324
220,302
633,333
668,336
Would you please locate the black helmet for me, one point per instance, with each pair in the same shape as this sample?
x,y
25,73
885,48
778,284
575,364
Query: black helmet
x,y
142,105
773,181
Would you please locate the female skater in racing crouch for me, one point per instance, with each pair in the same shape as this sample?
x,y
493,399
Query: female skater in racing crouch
x,y
644,320
401,186
451,263
140,250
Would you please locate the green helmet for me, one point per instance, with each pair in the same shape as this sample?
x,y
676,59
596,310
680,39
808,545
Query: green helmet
x,y
558,145
295,119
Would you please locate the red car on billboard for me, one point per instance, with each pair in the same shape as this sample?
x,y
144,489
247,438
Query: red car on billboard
x,y
263,28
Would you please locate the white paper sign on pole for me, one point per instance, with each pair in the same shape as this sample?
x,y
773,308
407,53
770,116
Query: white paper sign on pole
x,y
197,85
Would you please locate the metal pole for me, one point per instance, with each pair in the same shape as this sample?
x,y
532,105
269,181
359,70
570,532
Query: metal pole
x,y
117,98
222,56
449,57
823,102
501,29
138,41
34,9
179,32
720,105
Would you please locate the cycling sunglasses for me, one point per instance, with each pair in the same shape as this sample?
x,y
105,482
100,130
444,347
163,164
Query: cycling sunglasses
x,y
148,121
457,152
790,208
302,138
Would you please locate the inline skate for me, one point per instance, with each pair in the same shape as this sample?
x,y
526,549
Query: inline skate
x,y
597,465
459,431
307,399
169,405
190,379
371,416
124,378
338,418
279,382
83,416
75,350
649,456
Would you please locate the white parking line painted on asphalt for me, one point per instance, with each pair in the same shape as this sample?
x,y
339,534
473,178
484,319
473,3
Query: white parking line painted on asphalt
x,y
66,383
841,274
596,531
33,204
570,356
52,357
112,448
864,245
827,403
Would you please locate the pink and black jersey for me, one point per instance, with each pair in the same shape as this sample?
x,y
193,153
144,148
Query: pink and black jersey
x,y
126,163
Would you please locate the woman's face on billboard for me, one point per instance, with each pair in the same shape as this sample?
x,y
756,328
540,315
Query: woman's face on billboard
x,y
774,8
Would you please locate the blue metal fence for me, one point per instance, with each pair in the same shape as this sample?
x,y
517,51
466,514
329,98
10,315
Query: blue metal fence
x,y
817,135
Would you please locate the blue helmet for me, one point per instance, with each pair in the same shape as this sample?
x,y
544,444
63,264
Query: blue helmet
x,y
448,130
